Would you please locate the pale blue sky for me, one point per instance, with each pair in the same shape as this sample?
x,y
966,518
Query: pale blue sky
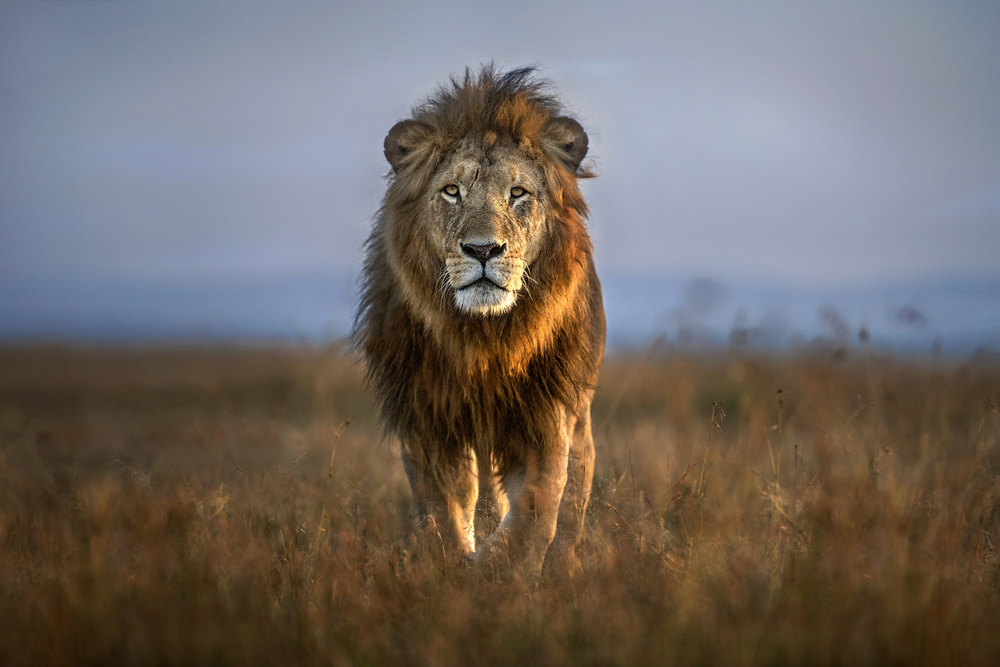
x,y
822,143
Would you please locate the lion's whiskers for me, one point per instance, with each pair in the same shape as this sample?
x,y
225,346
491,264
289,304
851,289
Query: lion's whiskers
x,y
444,280
444,286
526,280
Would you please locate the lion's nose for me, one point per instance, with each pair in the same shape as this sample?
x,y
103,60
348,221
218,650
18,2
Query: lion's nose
x,y
484,252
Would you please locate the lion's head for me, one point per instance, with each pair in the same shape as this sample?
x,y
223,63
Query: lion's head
x,y
487,203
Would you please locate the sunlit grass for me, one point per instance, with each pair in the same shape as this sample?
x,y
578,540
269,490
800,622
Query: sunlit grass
x,y
240,506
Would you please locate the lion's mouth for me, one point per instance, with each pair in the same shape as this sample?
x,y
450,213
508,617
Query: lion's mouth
x,y
481,281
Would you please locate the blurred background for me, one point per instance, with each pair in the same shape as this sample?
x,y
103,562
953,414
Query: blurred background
x,y
770,174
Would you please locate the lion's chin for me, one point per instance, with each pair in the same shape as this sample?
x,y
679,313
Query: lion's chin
x,y
484,298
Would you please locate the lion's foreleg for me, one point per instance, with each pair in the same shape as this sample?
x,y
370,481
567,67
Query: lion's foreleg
x,y
576,496
444,494
492,505
534,490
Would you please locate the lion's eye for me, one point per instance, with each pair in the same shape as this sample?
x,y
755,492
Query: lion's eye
x,y
517,192
451,190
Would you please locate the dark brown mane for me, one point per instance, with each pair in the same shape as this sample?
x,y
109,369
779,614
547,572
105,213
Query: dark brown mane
x,y
459,380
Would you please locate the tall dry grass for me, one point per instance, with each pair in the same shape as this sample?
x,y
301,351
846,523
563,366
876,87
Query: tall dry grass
x,y
215,506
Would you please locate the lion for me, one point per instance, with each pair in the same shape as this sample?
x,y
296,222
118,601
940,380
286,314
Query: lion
x,y
481,318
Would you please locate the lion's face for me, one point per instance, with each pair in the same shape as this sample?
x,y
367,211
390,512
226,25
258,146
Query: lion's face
x,y
487,215
485,203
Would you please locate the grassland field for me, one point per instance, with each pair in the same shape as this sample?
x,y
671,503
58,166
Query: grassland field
x,y
195,506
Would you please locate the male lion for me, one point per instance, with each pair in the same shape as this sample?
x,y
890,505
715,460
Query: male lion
x,y
481,317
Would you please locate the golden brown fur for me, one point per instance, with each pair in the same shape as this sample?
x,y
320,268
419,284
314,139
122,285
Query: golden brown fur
x,y
485,368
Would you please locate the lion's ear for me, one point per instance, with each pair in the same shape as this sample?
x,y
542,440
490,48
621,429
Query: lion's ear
x,y
565,140
405,137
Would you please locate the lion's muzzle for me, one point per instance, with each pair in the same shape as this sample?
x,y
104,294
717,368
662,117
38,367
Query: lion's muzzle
x,y
485,277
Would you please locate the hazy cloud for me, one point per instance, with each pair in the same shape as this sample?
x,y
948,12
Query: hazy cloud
x,y
820,142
